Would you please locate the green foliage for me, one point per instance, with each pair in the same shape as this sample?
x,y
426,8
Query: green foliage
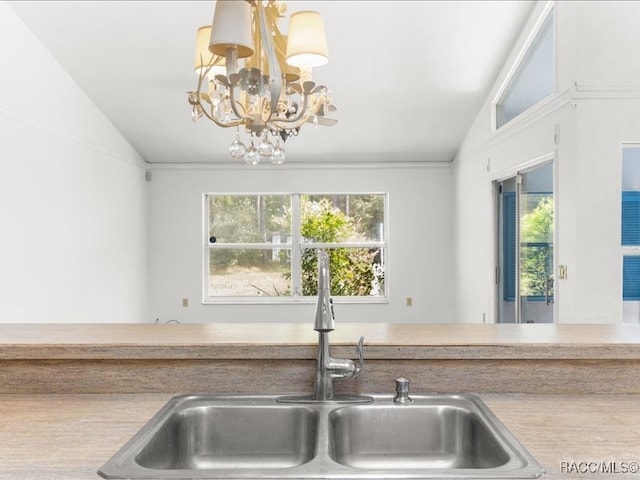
x,y
537,253
367,211
537,225
328,219
246,219
351,269
321,223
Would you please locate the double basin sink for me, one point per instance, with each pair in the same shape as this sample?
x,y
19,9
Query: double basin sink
x,y
251,436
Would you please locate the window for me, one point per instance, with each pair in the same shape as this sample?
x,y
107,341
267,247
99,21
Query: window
x,y
536,245
630,233
533,78
263,247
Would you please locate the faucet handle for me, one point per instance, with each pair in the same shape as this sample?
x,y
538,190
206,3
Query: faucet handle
x,y
360,350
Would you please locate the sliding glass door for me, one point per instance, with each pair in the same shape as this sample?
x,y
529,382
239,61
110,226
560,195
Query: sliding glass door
x,y
525,246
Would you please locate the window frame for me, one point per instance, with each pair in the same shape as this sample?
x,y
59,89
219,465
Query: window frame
x,y
549,9
296,246
510,259
630,251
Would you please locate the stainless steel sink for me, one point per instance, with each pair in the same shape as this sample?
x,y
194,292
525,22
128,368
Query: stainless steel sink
x,y
422,437
230,437
201,436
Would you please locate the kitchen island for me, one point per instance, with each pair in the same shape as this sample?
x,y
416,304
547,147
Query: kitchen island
x,y
72,395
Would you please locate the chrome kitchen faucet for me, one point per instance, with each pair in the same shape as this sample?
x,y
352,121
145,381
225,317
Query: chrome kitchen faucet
x,y
328,369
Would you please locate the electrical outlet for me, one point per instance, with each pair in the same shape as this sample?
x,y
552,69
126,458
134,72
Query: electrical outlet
x,y
409,301
185,302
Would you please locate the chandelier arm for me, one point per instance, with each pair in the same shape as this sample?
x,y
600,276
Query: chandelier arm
x,y
234,107
275,74
319,88
289,126
203,74
284,127
302,112
204,71
297,122
212,117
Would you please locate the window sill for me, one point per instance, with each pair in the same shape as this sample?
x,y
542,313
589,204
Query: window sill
x,y
293,300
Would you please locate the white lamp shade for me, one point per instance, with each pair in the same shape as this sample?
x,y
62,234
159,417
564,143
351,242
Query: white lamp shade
x,y
204,57
232,28
307,42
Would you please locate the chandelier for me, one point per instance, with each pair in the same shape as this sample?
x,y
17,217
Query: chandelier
x,y
271,93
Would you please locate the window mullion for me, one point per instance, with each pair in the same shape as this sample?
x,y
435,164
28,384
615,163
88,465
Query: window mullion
x,y
335,245
248,246
206,252
296,252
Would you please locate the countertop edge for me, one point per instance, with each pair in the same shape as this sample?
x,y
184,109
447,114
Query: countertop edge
x,y
282,341
248,351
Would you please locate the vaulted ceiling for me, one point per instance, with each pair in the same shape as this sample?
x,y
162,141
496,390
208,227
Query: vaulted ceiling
x,y
408,77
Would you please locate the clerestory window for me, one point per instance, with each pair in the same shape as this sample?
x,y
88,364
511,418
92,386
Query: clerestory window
x,y
262,247
533,78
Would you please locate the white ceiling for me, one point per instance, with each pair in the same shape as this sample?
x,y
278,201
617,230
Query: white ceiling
x,y
408,77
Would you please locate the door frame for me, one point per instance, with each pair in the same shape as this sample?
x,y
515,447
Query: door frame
x,y
502,175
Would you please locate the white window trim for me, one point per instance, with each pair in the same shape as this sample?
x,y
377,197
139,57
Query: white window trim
x,y
550,5
296,247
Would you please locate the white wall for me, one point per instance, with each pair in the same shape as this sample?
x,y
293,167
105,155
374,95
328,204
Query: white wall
x,y
596,109
72,196
74,205
419,256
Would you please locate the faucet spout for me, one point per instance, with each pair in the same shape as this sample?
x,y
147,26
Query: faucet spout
x,y
325,320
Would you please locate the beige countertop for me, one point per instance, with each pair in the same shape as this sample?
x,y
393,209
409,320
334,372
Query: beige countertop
x,y
68,437
297,341
72,395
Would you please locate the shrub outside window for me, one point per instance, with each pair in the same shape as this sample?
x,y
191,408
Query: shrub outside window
x,y
263,247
